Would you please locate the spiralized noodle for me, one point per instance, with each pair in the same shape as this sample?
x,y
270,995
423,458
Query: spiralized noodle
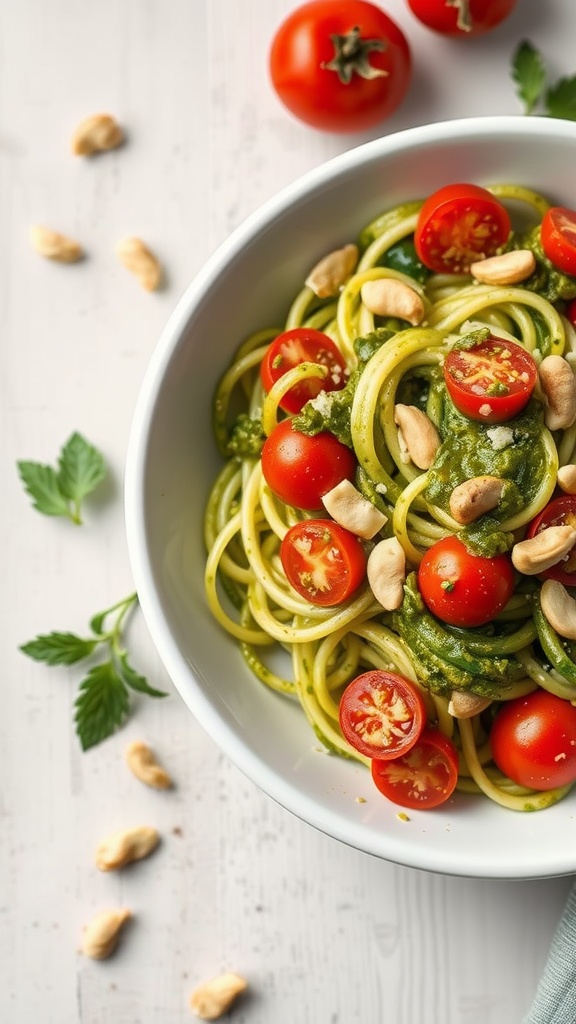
x,y
309,653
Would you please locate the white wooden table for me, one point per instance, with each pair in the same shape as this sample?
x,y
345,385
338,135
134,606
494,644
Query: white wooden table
x,y
324,934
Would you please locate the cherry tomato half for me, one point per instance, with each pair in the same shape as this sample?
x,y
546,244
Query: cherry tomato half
x,y
423,778
303,345
323,562
491,382
533,740
301,469
458,225
558,512
340,66
464,589
463,18
382,714
558,237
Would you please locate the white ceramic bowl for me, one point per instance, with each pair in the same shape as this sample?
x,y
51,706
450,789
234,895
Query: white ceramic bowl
x,y
172,461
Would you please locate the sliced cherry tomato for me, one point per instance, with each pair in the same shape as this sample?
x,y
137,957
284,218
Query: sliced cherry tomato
x,y
558,237
382,714
341,67
458,225
323,562
533,740
464,589
461,17
301,469
423,778
558,512
491,382
303,345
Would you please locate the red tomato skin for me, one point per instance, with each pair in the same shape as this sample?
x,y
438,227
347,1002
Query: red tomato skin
x,y
558,237
457,225
314,94
502,407
560,511
570,313
377,697
481,586
303,344
438,15
533,740
342,574
424,777
301,469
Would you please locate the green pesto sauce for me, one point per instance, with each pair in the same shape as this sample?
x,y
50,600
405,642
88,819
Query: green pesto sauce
x,y
469,450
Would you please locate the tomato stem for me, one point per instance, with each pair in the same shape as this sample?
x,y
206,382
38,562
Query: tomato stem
x,y
352,54
464,20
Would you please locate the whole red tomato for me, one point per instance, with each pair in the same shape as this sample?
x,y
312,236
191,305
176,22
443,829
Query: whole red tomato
x,y
464,589
461,17
340,65
302,469
533,740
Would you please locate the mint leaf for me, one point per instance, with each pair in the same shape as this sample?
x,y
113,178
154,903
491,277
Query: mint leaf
x,y
42,484
81,467
560,99
58,648
529,73
101,706
134,680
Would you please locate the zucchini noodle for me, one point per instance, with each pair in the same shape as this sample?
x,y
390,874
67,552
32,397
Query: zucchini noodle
x,y
309,652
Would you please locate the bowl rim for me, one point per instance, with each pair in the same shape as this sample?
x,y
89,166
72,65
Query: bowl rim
x,y
250,764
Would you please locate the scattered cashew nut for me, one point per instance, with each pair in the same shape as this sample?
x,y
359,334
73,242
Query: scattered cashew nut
x,y
102,933
329,275
125,847
387,296
55,246
96,134
353,511
559,608
538,553
135,255
464,704
386,571
558,384
419,433
507,268
211,1000
143,764
566,479
472,498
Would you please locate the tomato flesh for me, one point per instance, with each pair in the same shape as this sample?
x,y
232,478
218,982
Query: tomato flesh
x,y
492,381
382,714
300,345
558,512
463,589
323,562
301,469
558,237
424,777
533,740
450,19
458,225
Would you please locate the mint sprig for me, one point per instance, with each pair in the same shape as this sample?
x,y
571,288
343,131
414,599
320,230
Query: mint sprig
x,y
530,76
103,701
60,490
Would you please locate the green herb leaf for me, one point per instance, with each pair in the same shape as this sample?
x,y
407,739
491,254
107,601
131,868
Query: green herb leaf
x,y
58,648
560,99
134,680
101,706
59,492
42,484
529,73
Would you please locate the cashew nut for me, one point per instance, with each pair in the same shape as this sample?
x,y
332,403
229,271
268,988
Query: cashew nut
x,y
507,268
559,608
472,498
387,296
135,255
143,765
538,553
558,384
95,134
210,1000
329,275
566,479
55,246
102,934
125,847
353,511
419,433
464,704
386,571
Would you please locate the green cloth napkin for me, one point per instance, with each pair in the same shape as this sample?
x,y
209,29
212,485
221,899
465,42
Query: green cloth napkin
x,y
555,999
